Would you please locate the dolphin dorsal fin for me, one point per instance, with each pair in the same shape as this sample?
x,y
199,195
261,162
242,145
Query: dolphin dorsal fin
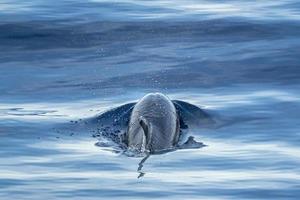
x,y
145,126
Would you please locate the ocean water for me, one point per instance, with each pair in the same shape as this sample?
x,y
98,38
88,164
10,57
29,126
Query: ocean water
x,y
62,61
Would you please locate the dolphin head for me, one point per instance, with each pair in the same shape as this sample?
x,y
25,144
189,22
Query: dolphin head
x,y
154,124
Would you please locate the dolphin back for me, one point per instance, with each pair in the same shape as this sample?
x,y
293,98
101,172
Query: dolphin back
x,y
191,116
118,116
112,124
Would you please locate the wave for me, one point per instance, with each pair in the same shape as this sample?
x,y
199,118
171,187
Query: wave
x,y
37,35
124,10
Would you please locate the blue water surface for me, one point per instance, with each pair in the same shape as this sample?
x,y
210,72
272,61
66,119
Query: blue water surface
x,y
62,61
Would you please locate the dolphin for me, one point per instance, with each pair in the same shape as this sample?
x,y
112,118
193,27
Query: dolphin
x,y
154,124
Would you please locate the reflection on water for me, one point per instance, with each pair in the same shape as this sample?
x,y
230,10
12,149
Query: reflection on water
x,y
244,160
63,62
125,10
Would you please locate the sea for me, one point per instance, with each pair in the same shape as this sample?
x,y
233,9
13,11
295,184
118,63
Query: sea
x,y
69,60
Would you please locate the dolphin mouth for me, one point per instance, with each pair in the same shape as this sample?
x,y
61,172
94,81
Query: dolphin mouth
x,y
163,151
136,152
